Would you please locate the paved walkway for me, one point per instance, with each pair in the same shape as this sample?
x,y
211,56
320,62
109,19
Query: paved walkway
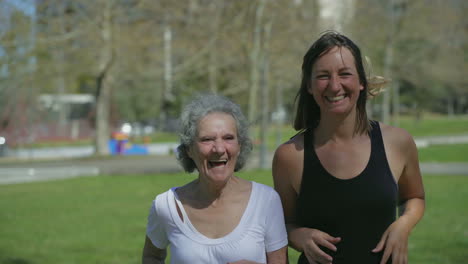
x,y
40,170
169,147
37,170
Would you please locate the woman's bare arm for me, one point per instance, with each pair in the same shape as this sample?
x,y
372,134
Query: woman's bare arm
x,y
152,254
287,175
279,256
394,241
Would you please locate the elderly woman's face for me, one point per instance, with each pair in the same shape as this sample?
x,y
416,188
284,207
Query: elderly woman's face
x,y
216,147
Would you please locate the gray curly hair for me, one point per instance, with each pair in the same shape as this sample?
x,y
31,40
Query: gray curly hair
x,y
197,109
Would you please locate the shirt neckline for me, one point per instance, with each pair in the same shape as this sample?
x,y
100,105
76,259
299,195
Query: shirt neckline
x,y
189,230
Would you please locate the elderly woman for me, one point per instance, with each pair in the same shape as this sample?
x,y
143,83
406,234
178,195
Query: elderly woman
x,y
218,217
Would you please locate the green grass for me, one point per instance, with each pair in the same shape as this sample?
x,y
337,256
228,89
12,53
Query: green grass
x,y
444,153
82,220
55,143
435,125
430,125
102,219
442,235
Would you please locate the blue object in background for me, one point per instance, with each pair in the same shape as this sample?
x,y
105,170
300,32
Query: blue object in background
x,y
118,147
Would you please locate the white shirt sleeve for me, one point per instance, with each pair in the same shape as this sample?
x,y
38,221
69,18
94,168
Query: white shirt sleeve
x,y
276,236
155,229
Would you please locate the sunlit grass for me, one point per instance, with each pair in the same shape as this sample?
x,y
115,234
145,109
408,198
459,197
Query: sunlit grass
x,y
435,125
444,153
431,125
102,219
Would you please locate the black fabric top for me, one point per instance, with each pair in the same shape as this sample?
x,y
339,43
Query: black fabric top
x,y
358,210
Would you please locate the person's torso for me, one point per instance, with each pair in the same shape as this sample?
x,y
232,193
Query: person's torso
x,y
358,209
246,241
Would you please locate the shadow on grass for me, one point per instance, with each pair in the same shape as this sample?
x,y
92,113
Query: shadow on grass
x,y
15,261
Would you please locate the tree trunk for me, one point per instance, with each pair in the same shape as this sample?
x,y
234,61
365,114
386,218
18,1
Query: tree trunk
x,y
385,118
396,103
60,78
102,115
168,98
103,83
254,62
213,55
264,99
450,106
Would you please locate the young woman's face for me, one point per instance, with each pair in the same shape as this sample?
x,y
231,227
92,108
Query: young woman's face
x,y
335,82
216,147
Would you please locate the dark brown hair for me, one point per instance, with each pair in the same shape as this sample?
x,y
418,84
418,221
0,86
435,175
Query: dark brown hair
x,y
308,111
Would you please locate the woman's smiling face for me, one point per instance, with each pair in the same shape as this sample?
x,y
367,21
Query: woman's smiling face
x,y
216,147
335,82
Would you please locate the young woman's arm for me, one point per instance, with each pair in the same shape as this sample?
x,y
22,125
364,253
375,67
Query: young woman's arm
x,y
287,174
394,241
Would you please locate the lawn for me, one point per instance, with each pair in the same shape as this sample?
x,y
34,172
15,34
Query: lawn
x,y
102,219
444,153
432,125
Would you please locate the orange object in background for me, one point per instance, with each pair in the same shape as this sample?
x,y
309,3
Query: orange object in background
x,y
119,136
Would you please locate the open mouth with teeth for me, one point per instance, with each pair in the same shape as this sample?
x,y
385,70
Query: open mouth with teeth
x,y
217,163
335,98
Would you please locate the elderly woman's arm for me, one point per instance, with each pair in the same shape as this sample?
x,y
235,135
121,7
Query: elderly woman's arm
x,y
152,254
279,256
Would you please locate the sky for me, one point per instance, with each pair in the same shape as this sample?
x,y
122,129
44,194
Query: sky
x,y
335,12
27,7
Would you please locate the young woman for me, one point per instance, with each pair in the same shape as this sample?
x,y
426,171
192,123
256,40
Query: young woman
x,y
342,176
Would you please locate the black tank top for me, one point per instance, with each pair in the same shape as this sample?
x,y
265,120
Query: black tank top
x,y
358,210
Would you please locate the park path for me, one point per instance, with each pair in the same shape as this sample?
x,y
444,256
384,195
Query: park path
x,y
18,172
41,166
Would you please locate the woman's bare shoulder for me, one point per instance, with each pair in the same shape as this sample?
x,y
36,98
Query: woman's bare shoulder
x,y
287,166
396,135
291,148
290,152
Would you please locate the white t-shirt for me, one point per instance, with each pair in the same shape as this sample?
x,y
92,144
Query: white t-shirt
x,y
260,230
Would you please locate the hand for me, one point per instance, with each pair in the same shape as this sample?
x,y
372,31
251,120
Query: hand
x,y
395,242
312,239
